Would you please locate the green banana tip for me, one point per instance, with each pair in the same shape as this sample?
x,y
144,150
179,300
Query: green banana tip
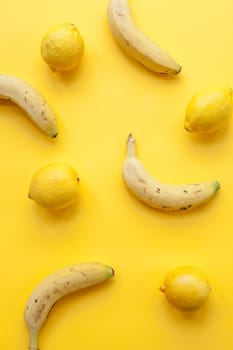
x,y
178,70
216,186
109,272
53,133
112,272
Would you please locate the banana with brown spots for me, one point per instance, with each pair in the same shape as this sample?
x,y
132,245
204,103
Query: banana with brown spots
x,y
54,287
159,195
30,100
135,43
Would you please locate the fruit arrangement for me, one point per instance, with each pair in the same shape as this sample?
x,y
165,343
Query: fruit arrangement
x,y
56,186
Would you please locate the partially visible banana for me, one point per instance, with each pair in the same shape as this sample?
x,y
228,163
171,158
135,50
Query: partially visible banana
x,y
159,195
135,43
54,287
29,99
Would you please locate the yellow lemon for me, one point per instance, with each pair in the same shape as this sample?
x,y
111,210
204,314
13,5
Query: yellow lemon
x,y
62,47
209,109
55,186
186,287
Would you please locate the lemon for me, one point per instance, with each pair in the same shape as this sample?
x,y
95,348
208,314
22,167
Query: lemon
x,y
55,186
186,287
209,109
62,47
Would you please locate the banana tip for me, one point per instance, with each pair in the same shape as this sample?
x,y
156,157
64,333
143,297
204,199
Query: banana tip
x,y
113,272
216,185
110,272
178,70
54,135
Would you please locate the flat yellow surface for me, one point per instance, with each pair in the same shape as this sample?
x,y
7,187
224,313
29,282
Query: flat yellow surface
x,y
97,105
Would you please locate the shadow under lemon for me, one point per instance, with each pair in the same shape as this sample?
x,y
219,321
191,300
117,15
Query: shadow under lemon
x,y
64,214
215,137
193,316
67,77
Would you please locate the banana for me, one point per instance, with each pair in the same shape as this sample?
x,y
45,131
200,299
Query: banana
x,y
135,43
54,287
27,98
159,195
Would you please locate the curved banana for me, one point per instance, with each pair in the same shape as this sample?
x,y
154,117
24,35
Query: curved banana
x,y
159,195
54,287
135,43
27,98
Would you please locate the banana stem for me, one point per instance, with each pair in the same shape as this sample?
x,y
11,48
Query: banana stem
x,y
33,341
131,143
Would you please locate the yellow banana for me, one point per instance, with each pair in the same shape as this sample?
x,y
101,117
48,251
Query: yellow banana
x,y
27,98
54,287
159,195
135,43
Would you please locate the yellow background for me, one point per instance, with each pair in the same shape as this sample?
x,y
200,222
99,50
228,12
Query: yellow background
x,y
97,105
